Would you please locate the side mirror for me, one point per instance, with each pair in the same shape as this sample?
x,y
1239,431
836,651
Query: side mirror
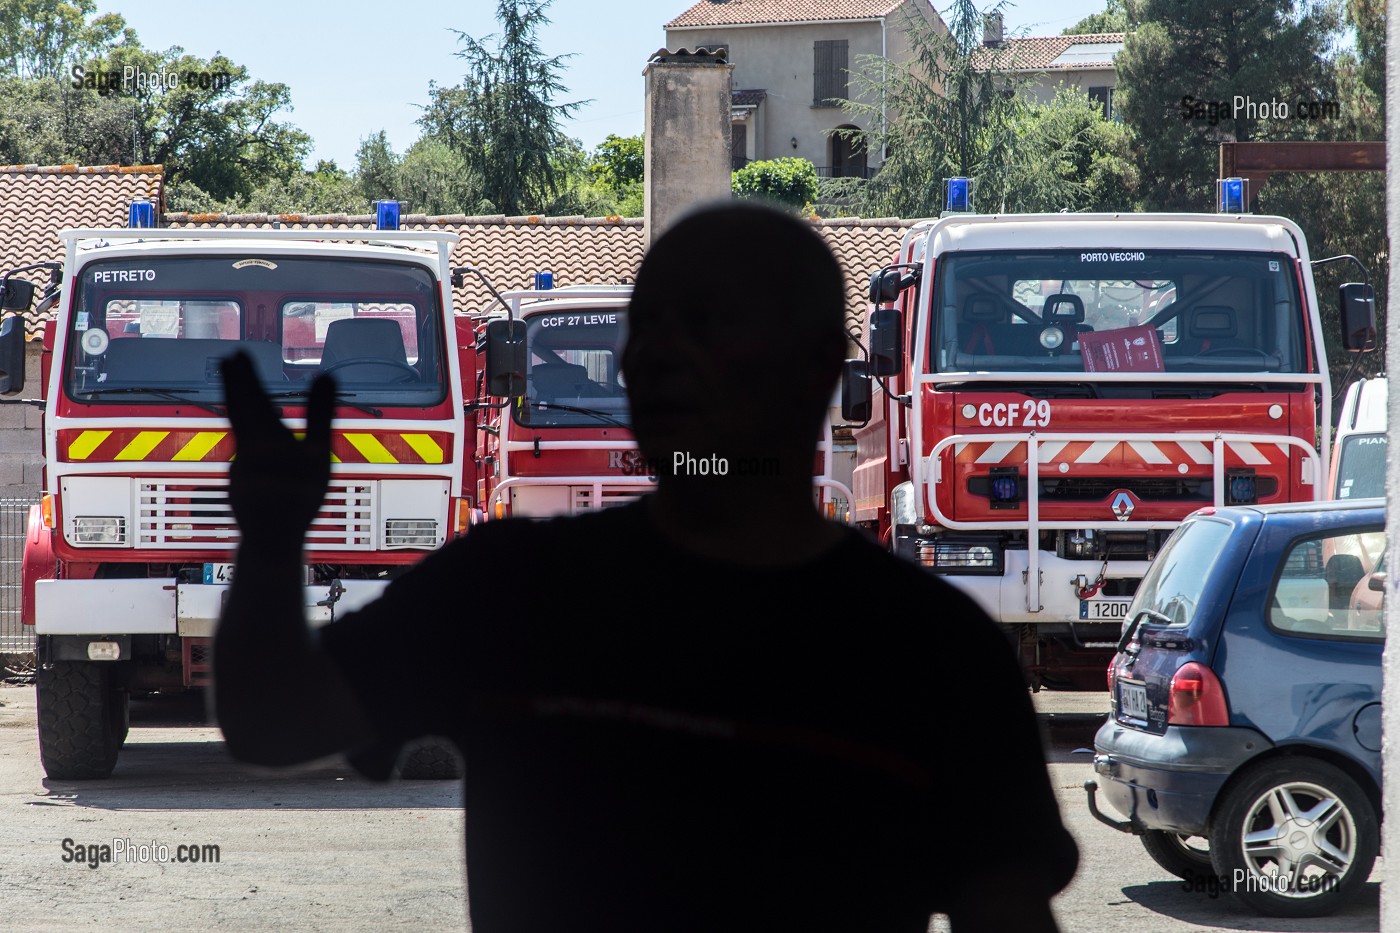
x,y
856,406
886,342
1358,303
12,355
505,358
1377,582
888,284
16,294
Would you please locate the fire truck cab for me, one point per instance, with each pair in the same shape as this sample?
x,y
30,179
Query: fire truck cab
x,y
128,558
1047,396
555,435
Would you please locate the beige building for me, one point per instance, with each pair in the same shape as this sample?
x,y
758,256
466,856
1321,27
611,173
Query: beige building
x,y
1054,62
793,60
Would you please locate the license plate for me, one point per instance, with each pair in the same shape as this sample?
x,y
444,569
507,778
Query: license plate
x,y
1104,610
218,573
1132,701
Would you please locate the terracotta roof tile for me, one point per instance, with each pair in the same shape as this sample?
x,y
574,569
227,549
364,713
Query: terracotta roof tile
x,y
748,98
1035,53
750,12
37,201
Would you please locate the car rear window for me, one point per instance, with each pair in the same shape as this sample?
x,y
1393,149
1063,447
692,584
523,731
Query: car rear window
x,y
1173,586
1332,586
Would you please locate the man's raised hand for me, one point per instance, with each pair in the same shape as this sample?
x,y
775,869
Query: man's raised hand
x,y
276,483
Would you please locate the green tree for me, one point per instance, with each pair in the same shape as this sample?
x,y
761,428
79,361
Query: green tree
x,y
44,38
376,168
1114,18
788,182
433,179
502,120
949,109
1212,52
619,161
1069,158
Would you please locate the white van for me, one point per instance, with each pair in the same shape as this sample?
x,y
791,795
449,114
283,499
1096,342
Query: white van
x,y
1358,452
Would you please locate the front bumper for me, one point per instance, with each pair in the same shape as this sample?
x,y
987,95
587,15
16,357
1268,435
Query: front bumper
x,y
166,606
1170,781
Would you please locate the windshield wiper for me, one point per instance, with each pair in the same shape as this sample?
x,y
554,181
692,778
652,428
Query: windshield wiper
x,y
342,398
174,395
600,415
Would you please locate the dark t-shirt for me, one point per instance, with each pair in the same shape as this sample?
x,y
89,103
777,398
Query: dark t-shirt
x,y
654,741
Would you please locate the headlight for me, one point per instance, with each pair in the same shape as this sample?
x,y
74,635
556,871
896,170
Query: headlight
x,y
410,532
964,557
99,529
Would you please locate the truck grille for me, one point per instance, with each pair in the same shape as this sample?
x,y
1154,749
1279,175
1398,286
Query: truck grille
x,y
186,515
583,497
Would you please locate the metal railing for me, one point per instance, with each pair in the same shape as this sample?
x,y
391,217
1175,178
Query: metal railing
x,y
14,519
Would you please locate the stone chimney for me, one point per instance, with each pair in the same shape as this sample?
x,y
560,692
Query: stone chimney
x,y
688,158
993,31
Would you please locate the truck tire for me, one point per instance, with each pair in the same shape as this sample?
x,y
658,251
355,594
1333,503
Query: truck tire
x,y
1301,816
78,731
121,714
431,760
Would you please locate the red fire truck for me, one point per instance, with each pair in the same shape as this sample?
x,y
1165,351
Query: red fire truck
x,y
554,436
128,558
1046,396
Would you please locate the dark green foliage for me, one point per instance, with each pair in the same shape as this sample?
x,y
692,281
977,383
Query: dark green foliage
x,y
1114,18
789,182
502,120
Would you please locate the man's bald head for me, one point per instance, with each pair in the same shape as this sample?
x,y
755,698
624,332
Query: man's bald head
x,y
736,333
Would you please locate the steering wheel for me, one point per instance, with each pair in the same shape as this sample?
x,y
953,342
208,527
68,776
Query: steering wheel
x,y
410,374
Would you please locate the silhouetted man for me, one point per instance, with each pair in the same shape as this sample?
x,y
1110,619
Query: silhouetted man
x,y
708,710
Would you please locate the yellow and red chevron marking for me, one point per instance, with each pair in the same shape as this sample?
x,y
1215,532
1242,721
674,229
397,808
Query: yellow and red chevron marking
x,y
128,445
1135,453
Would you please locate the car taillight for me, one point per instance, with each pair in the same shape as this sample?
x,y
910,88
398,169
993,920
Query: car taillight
x,y
1197,699
1111,665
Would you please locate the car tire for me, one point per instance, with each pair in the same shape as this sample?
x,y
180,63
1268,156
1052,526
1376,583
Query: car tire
x,y
78,732
1173,852
1305,819
432,760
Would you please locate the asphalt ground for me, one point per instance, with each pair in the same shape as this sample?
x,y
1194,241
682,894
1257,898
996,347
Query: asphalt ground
x,y
318,848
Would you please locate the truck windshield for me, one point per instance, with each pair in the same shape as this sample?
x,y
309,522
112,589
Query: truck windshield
x,y
1361,474
1189,311
149,329
574,378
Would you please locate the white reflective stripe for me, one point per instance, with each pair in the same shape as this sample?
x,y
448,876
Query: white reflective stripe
x,y
1249,454
1282,448
998,451
1050,449
1197,451
1097,452
959,447
1149,452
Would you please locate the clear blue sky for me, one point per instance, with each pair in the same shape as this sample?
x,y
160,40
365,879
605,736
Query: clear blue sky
x,y
356,67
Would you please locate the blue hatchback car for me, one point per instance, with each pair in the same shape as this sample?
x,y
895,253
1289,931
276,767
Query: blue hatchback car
x,y
1244,740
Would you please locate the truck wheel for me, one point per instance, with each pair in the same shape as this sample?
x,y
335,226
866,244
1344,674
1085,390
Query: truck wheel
x,y
431,760
1187,857
121,714
78,733
1295,838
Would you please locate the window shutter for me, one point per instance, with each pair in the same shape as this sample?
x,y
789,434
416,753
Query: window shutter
x,y
829,78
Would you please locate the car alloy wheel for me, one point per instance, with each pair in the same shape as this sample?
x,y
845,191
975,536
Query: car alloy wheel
x,y
1295,838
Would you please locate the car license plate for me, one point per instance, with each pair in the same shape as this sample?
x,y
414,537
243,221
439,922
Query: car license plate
x,y
218,573
1132,701
1104,610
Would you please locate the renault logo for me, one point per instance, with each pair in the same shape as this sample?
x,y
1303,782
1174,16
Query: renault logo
x,y
1123,505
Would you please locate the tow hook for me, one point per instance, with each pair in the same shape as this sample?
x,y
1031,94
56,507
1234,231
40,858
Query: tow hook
x,y
1091,787
333,597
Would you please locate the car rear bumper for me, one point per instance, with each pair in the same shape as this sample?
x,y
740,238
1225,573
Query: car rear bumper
x,y
1170,781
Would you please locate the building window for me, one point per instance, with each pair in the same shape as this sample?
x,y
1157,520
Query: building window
x,y
739,145
829,77
1103,96
847,154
